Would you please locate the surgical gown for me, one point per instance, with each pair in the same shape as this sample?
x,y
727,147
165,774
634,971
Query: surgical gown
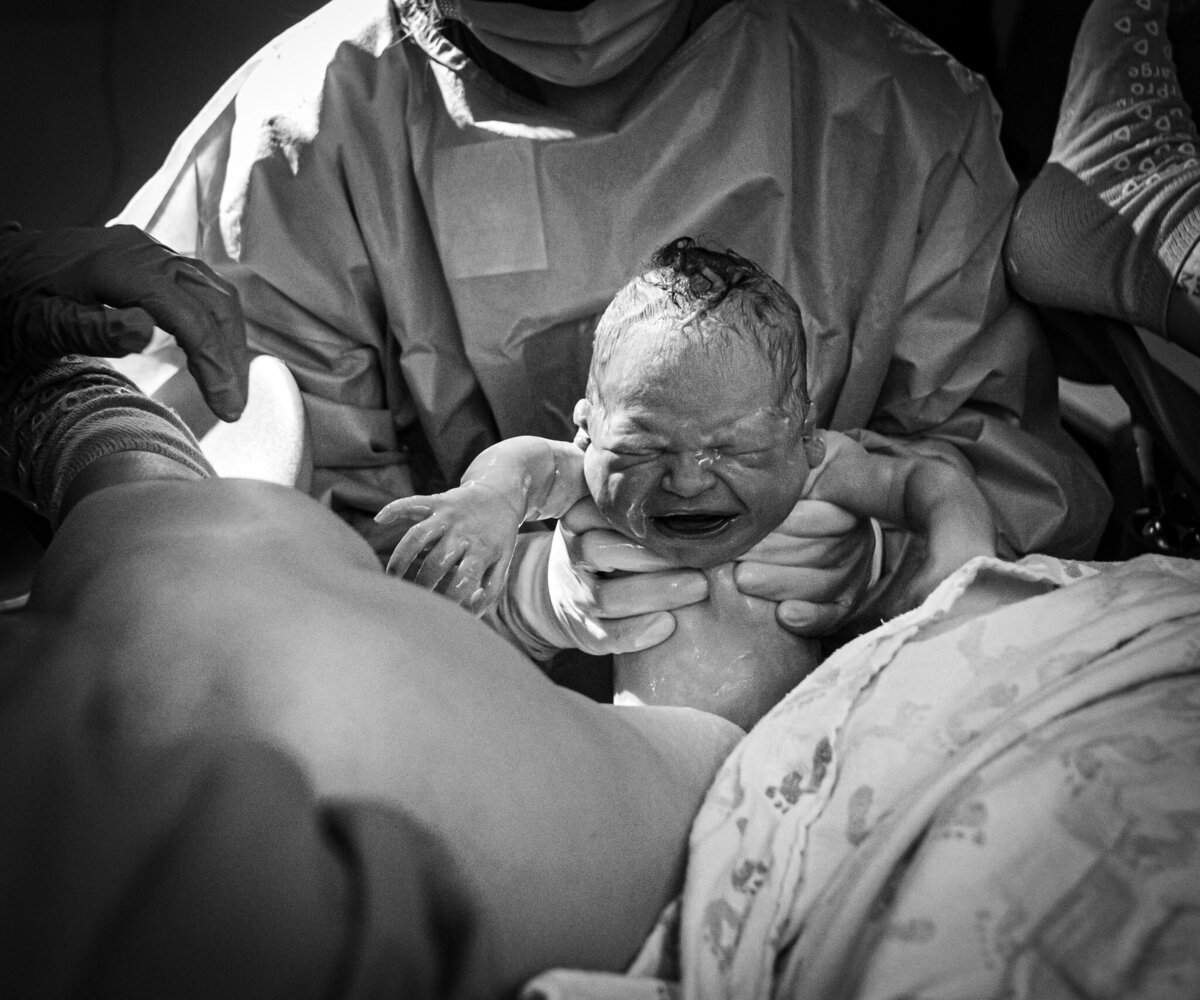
x,y
429,251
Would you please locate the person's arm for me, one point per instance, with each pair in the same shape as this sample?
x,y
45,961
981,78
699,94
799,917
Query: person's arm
x,y
930,497
464,538
583,586
297,185
970,381
972,377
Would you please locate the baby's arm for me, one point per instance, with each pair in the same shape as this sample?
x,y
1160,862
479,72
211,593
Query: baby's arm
x,y
929,496
467,534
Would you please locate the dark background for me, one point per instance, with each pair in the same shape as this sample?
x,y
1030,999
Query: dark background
x,y
95,91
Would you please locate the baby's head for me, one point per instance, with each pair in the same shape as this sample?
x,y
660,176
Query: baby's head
x,y
697,420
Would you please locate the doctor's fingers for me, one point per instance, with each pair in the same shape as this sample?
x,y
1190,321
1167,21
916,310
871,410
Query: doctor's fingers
x,y
820,551
123,266
591,542
817,519
49,326
811,620
626,635
809,584
604,550
583,515
204,315
642,594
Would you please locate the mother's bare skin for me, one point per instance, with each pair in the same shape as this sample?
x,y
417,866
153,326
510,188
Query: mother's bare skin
x,y
234,605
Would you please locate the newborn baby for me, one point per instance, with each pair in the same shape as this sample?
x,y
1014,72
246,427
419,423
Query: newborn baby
x,y
696,439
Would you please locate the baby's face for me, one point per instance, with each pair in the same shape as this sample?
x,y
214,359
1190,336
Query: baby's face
x,y
692,457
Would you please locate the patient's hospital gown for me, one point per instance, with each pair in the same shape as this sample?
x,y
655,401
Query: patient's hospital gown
x,y
1008,809
429,251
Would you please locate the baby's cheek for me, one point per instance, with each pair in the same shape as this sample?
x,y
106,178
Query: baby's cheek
x,y
776,489
623,501
596,475
779,506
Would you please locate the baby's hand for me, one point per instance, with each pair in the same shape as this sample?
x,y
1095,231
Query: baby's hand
x,y
462,542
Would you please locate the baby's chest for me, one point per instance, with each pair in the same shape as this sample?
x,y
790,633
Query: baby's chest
x,y
728,655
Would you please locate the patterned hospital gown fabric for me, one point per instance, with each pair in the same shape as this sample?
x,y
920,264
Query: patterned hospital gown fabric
x,y
1009,807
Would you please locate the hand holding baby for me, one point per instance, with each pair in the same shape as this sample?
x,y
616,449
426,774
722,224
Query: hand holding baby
x,y
818,565
696,445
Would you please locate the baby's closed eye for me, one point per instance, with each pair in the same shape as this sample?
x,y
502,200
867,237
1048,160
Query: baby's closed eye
x,y
751,457
625,457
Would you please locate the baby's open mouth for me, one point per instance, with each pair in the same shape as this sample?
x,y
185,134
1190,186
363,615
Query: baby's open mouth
x,y
692,525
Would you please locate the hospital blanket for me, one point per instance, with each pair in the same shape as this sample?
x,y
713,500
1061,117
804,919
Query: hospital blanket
x,y
1004,807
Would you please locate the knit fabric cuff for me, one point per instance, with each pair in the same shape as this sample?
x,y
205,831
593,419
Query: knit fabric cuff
x,y
61,416
1067,248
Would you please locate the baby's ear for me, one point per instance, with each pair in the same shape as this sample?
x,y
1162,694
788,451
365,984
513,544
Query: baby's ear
x,y
813,437
583,413
814,448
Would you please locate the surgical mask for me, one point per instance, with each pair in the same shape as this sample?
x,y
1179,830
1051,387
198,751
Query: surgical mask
x,y
573,48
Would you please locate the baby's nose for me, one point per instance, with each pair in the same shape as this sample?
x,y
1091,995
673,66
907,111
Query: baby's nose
x,y
689,475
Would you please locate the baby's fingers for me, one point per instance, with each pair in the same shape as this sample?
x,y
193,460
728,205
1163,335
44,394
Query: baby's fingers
x,y
465,585
440,563
416,540
406,509
491,585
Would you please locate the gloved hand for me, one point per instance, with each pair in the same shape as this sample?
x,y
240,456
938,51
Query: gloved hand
x,y
819,565
587,587
56,287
